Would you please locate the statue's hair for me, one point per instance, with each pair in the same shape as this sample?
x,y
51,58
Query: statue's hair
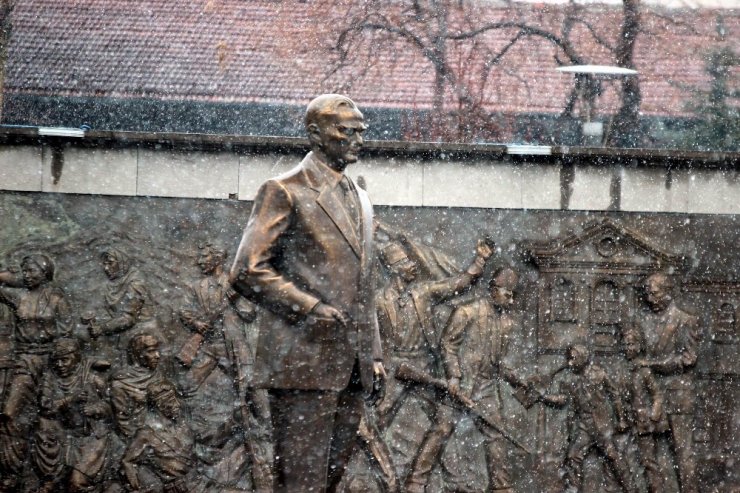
x,y
578,348
215,249
43,261
66,345
326,104
633,332
505,277
137,343
662,278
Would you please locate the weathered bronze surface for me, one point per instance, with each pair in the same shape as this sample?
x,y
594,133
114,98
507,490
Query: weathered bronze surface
x,y
578,352
306,259
582,279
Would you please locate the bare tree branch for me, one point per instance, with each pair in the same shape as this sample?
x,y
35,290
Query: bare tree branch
x,y
525,30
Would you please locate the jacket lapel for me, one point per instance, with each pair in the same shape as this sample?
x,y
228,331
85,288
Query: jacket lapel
x,y
331,202
334,207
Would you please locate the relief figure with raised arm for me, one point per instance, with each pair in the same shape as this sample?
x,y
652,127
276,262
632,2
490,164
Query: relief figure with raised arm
x,y
42,314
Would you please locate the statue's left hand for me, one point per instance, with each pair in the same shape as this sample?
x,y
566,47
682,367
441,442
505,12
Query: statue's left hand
x,y
379,381
484,248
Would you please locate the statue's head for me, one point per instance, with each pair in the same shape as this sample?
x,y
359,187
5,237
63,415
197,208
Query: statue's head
x,y
210,257
577,357
37,269
657,289
115,262
398,262
632,341
65,356
143,350
502,287
335,125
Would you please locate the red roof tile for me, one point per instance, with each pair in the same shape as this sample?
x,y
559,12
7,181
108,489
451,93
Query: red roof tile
x,y
273,51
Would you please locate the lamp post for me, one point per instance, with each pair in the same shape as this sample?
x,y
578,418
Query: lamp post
x,y
593,131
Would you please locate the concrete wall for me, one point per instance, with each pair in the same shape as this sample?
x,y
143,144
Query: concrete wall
x,y
407,180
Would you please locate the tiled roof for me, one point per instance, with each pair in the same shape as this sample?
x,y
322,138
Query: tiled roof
x,y
274,51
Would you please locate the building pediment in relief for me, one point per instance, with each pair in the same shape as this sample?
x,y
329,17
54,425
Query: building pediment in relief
x,y
604,244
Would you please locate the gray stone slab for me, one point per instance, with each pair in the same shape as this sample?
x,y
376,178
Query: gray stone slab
x,y
480,184
540,186
255,170
655,189
591,185
20,168
92,171
391,182
187,174
714,192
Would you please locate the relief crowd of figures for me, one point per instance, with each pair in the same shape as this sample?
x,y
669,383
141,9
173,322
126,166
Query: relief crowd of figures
x,y
91,404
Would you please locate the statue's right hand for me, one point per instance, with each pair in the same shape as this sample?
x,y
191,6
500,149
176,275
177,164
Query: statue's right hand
x,y
485,248
453,384
95,330
201,327
325,313
323,323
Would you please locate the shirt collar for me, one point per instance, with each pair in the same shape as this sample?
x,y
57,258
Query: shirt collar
x,y
326,174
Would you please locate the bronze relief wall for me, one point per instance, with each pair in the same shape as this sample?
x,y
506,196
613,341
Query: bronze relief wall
x,y
579,284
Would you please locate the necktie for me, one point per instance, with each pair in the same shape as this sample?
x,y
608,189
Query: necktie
x,y
350,200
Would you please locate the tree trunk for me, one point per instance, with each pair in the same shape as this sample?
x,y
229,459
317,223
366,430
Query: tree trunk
x,y
625,129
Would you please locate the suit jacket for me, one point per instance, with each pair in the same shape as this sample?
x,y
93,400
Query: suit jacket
x,y
301,247
672,343
475,345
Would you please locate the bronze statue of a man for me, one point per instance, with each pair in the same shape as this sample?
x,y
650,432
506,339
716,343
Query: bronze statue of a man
x,y
306,258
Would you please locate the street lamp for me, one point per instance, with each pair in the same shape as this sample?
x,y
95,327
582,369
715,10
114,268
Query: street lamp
x,y
593,132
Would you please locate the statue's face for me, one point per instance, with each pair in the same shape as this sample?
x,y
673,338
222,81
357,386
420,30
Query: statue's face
x,y
656,294
631,347
33,274
112,267
341,137
577,360
207,262
149,355
65,364
502,297
406,269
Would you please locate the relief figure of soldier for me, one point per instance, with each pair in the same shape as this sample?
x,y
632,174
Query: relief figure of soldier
x,y
219,318
596,414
